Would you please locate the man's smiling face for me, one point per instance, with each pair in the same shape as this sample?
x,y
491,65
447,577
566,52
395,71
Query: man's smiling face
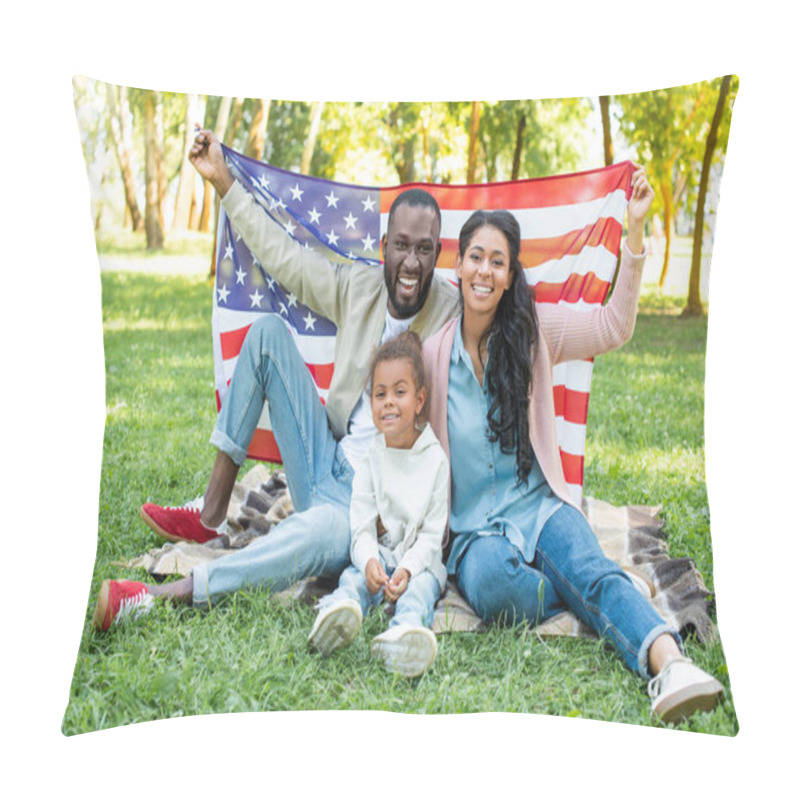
x,y
410,249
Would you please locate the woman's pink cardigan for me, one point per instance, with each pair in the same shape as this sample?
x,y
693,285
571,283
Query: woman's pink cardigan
x,y
565,334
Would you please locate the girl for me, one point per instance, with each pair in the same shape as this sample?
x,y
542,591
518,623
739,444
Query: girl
x,y
520,547
400,489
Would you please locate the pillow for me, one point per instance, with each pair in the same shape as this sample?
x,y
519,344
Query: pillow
x,y
161,257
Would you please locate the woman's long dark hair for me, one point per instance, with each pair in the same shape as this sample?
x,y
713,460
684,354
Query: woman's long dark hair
x,y
512,335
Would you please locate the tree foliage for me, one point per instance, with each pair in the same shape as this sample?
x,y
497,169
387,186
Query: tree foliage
x,y
386,143
668,129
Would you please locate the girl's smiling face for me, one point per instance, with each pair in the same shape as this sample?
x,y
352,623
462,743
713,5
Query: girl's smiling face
x,y
396,402
484,270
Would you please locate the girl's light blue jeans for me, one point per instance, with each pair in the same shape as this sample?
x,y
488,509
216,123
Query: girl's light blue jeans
x,y
414,607
569,572
315,539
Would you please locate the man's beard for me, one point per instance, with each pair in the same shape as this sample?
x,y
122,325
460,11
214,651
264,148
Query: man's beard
x,y
406,310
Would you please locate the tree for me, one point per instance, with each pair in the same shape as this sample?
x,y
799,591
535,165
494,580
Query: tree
x,y
162,172
154,231
402,123
195,111
311,138
472,152
665,125
221,124
608,144
258,129
694,306
518,144
234,121
119,120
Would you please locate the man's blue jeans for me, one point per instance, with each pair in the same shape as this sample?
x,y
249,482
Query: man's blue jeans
x,y
315,539
569,572
414,607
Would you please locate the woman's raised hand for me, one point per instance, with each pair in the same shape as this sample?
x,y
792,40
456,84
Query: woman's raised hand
x,y
642,195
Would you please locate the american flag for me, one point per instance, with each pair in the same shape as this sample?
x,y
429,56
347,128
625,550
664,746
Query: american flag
x,y
571,231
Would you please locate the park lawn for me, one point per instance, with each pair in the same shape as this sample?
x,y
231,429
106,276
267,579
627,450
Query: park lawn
x,y
248,653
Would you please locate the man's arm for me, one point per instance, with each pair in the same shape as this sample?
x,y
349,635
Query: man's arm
x,y
316,282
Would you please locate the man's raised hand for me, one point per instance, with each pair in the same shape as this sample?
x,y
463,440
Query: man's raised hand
x,y
207,158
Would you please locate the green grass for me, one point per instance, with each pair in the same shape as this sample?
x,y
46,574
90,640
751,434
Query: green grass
x,y
645,445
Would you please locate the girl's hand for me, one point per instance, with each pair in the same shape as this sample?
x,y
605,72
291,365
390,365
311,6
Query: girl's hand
x,y
397,585
376,576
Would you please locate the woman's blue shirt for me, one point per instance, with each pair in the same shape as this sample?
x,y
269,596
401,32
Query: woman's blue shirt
x,y
485,498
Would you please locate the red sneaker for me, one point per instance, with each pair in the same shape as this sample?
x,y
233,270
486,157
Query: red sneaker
x,y
119,599
179,524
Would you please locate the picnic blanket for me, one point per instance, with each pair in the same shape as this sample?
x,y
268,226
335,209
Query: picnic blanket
x,y
633,536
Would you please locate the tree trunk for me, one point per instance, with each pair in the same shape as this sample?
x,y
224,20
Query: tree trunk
x,y
666,196
311,138
185,195
221,125
162,173
694,305
608,144
234,121
154,231
120,125
518,147
258,130
681,182
472,158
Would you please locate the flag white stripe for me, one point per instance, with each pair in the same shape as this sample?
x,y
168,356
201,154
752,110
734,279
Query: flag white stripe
x,y
571,436
314,349
574,375
599,260
544,223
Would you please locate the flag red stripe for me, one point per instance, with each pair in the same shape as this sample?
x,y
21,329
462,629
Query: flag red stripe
x,y
588,288
573,468
571,404
556,190
533,252
322,374
231,342
263,447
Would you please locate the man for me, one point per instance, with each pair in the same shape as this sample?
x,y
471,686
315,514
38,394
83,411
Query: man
x,y
319,445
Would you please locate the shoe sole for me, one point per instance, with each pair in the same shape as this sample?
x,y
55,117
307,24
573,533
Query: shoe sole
x,y
408,655
682,704
336,630
170,537
101,608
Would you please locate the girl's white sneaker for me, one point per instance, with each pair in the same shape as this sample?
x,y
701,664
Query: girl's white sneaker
x,y
336,626
405,649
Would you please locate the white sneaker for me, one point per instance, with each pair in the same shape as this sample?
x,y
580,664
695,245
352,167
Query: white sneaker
x,y
681,688
405,649
336,625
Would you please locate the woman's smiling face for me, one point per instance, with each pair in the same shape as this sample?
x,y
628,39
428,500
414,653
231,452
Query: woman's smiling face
x,y
484,270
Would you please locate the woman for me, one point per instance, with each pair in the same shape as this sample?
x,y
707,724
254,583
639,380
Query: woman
x,y
519,546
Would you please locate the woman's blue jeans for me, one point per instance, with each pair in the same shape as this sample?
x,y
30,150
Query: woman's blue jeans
x,y
569,573
315,539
